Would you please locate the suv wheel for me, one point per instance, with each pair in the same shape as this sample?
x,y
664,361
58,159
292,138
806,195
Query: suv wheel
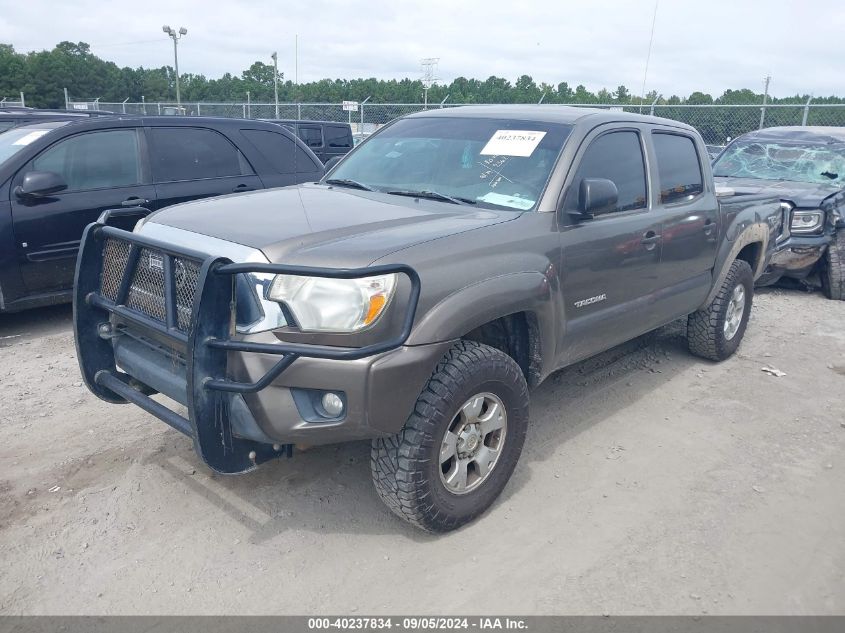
x,y
833,268
715,331
460,444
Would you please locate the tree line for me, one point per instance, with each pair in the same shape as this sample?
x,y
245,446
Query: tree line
x,y
43,75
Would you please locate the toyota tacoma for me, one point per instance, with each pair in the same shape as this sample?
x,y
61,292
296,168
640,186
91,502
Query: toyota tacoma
x,y
413,296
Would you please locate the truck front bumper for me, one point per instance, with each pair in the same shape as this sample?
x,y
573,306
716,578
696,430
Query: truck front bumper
x,y
247,400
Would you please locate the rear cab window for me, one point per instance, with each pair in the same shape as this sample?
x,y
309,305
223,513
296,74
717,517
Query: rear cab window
x,y
338,136
311,135
678,167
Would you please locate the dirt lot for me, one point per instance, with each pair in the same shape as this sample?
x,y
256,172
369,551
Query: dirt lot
x,y
650,482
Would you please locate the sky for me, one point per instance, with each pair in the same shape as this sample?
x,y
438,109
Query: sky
x,y
698,45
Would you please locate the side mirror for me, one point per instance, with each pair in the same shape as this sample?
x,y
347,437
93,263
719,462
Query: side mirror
x,y
334,160
596,196
37,184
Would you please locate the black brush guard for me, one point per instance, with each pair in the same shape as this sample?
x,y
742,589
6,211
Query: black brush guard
x,y
207,341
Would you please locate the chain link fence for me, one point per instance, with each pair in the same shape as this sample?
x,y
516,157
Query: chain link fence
x,y
717,123
12,103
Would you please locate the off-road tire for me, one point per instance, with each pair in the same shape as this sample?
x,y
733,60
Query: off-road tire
x,y
832,271
405,467
706,327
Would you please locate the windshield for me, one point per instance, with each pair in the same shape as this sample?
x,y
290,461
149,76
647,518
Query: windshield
x,y
799,162
14,140
492,163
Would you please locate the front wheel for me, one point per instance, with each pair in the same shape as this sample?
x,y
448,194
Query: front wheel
x,y
833,268
716,330
460,444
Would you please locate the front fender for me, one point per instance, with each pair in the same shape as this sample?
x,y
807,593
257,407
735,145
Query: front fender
x,y
750,233
472,306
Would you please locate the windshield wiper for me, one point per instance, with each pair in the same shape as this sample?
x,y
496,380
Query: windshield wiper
x,y
346,182
433,195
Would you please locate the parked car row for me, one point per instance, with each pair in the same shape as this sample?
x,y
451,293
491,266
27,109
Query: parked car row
x,y
412,294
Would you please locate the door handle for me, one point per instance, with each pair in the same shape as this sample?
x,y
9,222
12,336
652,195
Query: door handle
x,y
650,239
709,225
134,201
241,188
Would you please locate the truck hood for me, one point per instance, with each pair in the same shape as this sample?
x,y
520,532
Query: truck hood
x,y
320,225
800,194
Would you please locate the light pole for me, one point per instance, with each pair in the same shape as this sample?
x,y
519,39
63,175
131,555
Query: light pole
x,y
176,36
276,81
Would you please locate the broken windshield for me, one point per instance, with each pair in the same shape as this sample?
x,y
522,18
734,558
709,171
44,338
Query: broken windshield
x,y
798,162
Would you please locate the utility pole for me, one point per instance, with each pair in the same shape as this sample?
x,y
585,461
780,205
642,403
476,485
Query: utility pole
x,y
296,60
276,81
429,67
176,36
765,99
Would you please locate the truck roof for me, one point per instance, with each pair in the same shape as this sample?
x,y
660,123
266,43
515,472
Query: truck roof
x,y
548,114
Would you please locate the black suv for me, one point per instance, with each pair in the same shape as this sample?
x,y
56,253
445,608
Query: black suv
x,y
326,139
58,176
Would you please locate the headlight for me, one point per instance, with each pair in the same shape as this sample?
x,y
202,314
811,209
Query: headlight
x,y
140,223
806,221
333,305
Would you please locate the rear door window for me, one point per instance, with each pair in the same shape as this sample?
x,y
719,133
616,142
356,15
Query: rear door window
x,y
280,151
678,167
96,160
183,153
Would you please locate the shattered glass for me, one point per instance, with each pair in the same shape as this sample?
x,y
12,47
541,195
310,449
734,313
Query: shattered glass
x,y
799,162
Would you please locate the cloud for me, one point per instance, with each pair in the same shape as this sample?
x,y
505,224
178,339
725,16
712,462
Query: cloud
x,y
697,46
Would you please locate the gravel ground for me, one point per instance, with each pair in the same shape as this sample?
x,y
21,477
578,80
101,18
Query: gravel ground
x,y
651,482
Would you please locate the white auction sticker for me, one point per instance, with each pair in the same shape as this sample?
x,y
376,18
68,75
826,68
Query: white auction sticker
x,y
512,143
29,138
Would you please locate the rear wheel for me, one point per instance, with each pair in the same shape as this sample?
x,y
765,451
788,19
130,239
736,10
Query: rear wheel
x,y
716,330
461,443
833,269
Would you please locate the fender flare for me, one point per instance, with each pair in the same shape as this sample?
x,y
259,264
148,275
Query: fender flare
x,y
756,233
472,306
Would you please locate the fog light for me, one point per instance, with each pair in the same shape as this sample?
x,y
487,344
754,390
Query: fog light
x,y
332,404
